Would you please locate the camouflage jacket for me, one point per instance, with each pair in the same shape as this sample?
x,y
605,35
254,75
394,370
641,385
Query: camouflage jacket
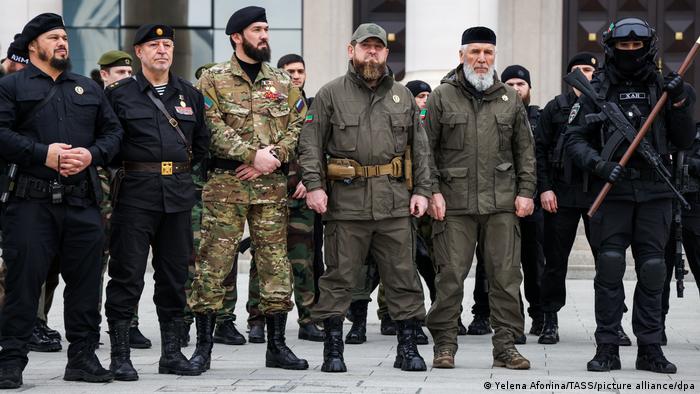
x,y
244,116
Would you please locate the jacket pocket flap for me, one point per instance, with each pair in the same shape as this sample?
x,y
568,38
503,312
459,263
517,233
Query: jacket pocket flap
x,y
342,120
138,113
448,173
504,166
504,119
453,118
400,120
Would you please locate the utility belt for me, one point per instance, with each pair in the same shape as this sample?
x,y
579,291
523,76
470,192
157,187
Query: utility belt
x,y
347,170
231,165
163,168
29,187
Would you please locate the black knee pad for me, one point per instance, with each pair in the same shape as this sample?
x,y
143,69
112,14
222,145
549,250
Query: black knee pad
x,y
611,267
652,274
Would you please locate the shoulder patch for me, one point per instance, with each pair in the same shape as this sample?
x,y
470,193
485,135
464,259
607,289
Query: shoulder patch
x,y
309,118
574,111
208,102
299,105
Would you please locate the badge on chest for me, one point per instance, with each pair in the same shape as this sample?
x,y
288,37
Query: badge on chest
x,y
627,96
183,109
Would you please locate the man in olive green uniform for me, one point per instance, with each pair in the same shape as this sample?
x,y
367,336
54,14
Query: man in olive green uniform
x,y
364,122
255,116
484,179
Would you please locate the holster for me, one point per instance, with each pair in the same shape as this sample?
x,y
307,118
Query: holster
x,y
116,176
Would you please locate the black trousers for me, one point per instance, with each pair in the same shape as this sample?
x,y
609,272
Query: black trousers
x,y
532,261
617,225
35,234
560,231
170,236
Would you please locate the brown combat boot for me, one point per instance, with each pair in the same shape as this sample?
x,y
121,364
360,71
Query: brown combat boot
x,y
511,359
444,358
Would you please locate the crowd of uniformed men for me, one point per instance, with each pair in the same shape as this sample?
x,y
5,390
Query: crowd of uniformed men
x,y
395,181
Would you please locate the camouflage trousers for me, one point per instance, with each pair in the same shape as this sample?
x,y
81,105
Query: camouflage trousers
x,y
300,251
222,229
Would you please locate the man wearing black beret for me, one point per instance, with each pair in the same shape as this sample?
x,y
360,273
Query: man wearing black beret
x,y
255,115
164,135
53,212
471,118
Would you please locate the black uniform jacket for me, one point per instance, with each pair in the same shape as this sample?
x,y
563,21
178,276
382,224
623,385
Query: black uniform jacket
x,y
149,137
78,114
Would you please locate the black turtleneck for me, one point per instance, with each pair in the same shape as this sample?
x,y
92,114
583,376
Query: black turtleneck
x,y
251,70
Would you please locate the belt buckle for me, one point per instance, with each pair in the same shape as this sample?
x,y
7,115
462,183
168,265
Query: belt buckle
x,y
166,168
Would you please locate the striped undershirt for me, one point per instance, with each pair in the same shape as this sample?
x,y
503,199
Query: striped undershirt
x,y
160,89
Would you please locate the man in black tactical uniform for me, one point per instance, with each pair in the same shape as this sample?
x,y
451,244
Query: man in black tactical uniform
x,y
637,211
564,198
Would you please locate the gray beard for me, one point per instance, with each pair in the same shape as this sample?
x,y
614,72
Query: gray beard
x,y
481,82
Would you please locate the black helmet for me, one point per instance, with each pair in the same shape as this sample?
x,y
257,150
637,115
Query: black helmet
x,y
630,29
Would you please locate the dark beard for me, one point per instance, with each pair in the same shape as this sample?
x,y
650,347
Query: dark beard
x,y
369,71
259,55
58,64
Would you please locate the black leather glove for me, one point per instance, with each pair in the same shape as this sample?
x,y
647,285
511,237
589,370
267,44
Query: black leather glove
x,y
673,84
608,170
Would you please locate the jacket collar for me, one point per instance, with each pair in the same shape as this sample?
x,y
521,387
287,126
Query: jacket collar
x,y
266,71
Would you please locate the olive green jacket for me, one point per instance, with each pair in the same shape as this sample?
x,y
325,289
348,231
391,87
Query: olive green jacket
x,y
349,120
483,149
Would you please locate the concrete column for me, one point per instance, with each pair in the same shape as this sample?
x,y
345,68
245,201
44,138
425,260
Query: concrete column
x,y
17,14
434,33
327,31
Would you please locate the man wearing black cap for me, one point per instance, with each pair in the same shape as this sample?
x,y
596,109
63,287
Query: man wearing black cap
x,y
531,231
255,114
563,197
17,56
164,134
364,122
53,211
637,211
484,181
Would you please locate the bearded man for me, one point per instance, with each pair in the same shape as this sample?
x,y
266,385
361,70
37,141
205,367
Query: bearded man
x,y
364,122
484,180
255,114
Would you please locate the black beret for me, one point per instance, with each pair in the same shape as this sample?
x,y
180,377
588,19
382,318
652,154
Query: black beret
x,y
40,24
516,71
417,87
245,17
478,34
17,51
152,32
582,58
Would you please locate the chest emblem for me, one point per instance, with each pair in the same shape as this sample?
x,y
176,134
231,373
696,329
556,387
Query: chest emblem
x,y
396,98
184,110
633,96
79,90
574,111
504,98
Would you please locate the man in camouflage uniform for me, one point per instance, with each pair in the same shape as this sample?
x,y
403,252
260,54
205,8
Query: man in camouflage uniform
x,y
255,116
355,160
300,239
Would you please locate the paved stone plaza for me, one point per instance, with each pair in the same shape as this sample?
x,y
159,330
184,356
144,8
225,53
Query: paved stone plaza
x,y
241,368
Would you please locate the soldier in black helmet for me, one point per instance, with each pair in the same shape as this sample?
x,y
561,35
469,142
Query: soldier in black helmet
x,y
637,211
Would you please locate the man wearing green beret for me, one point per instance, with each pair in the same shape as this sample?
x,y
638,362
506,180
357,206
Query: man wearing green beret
x,y
115,65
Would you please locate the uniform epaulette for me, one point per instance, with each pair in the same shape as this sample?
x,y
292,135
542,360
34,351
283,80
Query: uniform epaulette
x,y
120,83
220,67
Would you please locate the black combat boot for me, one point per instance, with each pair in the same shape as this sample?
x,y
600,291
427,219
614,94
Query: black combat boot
x,y
227,333
257,333
333,345
461,330
41,342
407,356
421,338
607,358
201,358
310,332
10,377
83,365
358,331
550,331
50,332
172,361
278,355
121,365
479,326
137,340
537,325
651,358
387,326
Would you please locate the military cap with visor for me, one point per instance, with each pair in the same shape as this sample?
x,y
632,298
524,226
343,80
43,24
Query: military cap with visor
x,y
369,30
152,32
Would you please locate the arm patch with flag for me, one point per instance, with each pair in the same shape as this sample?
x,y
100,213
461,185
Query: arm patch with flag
x,y
423,112
309,118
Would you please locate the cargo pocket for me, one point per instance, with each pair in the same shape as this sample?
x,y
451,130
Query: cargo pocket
x,y
345,131
279,119
330,245
505,130
234,115
504,186
454,125
441,251
454,186
399,127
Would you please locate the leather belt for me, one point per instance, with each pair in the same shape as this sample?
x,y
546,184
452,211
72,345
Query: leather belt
x,y
162,168
36,188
